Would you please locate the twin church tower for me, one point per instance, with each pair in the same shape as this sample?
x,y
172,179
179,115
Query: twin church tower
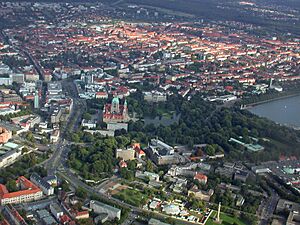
x,y
116,111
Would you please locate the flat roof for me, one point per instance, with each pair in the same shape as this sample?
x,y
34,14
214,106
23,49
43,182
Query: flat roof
x,y
11,145
109,207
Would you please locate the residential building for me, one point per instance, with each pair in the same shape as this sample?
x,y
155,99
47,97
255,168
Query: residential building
x,y
54,88
27,121
18,78
285,205
139,153
11,96
13,216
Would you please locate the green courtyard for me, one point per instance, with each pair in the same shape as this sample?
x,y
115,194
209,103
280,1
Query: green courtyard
x,y
226,220
132,197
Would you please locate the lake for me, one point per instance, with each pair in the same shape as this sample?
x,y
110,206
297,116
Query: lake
x,y
284,111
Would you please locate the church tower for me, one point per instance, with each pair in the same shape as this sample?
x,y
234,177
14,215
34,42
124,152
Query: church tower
x,y
125,110
115,105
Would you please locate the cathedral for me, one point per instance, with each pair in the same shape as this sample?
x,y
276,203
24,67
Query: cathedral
x,y
116,111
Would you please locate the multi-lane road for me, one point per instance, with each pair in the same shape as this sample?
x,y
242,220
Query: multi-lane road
x,y
268,208
61,147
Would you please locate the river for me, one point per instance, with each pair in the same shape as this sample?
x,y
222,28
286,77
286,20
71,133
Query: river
x,y
284,111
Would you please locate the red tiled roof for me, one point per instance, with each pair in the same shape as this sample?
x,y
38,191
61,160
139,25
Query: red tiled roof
x,y
30,188
200,176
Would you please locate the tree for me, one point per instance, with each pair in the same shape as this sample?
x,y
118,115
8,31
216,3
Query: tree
x,y
249,218
131,165
65,186
149,166
87,116
81,193
210,150
11,185
196,204
44,141
126,174
29,137
25,150
75,138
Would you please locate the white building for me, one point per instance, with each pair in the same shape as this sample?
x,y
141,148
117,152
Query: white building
x,y
171,209
6,79
90,124
42,184
9,157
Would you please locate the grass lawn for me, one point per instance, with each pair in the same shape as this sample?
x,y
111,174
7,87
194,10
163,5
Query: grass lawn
x,y
132,197
226,219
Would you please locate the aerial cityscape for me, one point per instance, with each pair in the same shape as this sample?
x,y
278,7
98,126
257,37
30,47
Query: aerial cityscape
x,y
139,112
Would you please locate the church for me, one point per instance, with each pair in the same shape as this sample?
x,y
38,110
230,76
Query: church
x,y
116,111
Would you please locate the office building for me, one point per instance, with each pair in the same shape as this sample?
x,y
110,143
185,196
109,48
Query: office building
x,y
99,207
161,153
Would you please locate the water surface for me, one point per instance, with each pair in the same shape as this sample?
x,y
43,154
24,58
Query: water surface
x,y
284,111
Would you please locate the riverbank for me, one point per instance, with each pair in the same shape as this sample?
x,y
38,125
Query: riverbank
x,y
250,105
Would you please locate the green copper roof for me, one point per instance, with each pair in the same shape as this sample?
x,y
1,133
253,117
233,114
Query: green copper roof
x,y
115,100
